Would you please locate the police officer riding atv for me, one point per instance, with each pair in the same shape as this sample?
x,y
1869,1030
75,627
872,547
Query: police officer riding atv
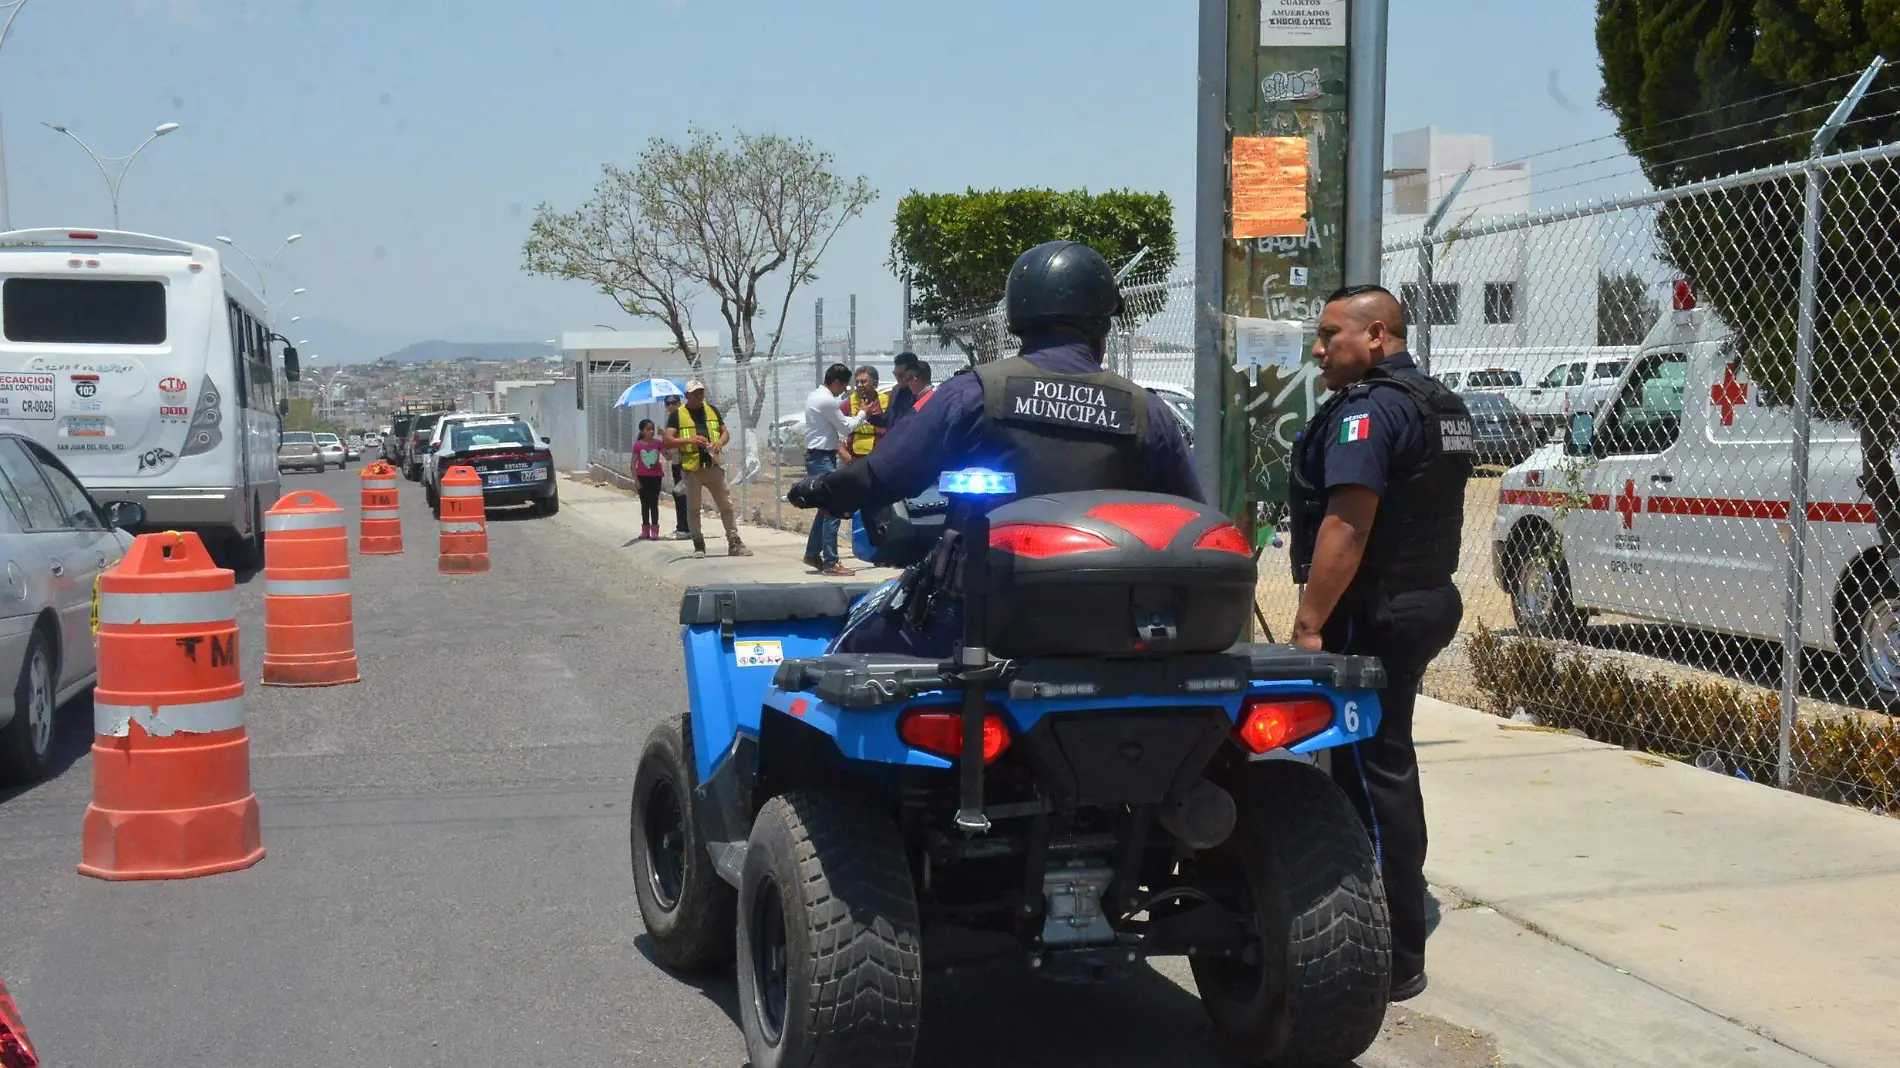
x,y
1040,748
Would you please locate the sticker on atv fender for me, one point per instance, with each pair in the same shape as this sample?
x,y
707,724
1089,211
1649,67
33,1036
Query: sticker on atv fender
x,y
758,654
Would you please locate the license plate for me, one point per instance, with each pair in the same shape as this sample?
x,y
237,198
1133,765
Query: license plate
x,y
539,474
498,480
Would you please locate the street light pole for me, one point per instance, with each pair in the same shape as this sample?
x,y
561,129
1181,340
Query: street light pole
x,y
6,210
263,272
113,185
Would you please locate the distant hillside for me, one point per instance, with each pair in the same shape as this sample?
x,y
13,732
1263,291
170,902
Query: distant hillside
x,y
431,351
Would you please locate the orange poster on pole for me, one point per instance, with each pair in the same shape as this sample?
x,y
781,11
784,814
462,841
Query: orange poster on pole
x,y
1269,187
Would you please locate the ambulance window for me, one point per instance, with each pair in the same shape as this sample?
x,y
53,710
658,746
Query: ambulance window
x,y
1647,415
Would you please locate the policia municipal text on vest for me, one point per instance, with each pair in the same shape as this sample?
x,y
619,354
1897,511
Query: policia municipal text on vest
x,y
1062,432
1417,532
692,457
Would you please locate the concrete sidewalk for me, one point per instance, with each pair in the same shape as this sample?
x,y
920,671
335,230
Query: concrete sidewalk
x,y
1598,906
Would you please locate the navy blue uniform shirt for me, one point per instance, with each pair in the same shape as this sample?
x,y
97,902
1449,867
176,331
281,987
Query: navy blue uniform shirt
x,y
1370,438
947,433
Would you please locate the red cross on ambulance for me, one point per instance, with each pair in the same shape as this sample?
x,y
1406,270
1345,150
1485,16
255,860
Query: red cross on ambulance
x,y
1728,394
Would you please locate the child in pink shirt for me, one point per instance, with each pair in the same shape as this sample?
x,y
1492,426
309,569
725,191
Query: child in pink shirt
x,y
649,468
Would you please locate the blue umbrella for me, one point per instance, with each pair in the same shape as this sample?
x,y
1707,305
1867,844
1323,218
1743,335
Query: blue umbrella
x,y
649,391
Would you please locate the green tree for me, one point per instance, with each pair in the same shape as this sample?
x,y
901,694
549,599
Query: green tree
x,y
958,247
1625,308
1702,88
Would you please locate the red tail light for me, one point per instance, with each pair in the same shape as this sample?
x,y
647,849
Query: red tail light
x,y
1155,524
942,733
1227,538
1269,723
1039,541
80,235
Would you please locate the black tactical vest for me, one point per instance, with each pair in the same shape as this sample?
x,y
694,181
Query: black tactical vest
x,y
1062,432
1420,524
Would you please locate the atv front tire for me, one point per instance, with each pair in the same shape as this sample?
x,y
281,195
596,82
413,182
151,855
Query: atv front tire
x,y
1300,863
830,958
687,908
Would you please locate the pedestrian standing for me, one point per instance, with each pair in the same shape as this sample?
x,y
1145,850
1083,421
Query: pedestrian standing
x,y
827,428
682,528
1377,511
698,431
649,470
865,402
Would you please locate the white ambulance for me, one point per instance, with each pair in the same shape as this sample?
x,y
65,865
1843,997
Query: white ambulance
x,y
1670,503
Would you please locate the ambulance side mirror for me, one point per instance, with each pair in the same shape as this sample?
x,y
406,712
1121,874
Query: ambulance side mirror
x,y
1581,438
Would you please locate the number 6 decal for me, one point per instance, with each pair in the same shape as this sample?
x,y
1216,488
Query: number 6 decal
x,y
1351,717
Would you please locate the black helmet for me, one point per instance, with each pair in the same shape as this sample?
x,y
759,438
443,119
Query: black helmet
x,y
1062,283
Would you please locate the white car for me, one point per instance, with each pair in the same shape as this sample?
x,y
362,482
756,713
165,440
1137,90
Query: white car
x,y
55,541
333,450
440,435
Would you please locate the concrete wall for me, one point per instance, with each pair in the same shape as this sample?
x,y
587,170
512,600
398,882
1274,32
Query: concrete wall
x,y
549,408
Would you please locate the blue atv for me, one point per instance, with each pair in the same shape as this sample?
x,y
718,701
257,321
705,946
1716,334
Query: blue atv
x,y
1096,775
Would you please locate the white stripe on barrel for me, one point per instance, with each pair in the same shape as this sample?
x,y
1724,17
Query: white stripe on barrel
x,y
304,521
163,721
210,606
379,512
305,587
460,528
461,491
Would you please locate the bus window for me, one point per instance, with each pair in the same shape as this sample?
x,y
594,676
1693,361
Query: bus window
x,y
73,311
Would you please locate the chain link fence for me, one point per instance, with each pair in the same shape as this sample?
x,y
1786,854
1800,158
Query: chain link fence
x,y
1682,535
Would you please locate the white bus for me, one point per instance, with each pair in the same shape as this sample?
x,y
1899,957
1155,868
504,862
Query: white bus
x,y
146,366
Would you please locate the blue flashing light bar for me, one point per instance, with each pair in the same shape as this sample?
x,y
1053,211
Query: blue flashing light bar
x,y
976,481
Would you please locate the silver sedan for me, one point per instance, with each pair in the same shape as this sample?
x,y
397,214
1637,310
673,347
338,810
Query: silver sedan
x,y
55,541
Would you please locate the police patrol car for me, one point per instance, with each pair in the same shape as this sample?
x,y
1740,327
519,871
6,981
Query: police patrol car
x,y
1670,503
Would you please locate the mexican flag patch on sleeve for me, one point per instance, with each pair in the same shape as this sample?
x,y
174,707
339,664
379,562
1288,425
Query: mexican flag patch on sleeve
x,y
1355,428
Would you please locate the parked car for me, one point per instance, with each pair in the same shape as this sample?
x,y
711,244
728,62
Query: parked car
x,y
438,436
333,450
421,429
1561,390
516,466
298,450
1504,435
397,437
56,540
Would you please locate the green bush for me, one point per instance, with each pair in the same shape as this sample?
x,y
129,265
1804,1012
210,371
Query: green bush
x,y
1849,759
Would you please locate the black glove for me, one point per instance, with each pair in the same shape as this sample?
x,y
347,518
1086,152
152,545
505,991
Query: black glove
x,y
812,491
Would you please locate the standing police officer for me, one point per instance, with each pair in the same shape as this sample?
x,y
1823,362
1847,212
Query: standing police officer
x,y
1377,510
1051,416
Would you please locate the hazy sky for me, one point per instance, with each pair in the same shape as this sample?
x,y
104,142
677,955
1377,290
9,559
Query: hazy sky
x,y
409,140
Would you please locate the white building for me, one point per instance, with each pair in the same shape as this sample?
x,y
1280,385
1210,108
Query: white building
x,y
1524,288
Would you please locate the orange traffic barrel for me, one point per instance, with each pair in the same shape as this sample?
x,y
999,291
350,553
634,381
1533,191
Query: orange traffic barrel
x,y
464,548
309,635
171,763
15,1050
381,527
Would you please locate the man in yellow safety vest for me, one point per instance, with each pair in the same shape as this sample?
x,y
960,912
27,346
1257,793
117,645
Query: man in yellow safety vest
x,y
699,433
866,398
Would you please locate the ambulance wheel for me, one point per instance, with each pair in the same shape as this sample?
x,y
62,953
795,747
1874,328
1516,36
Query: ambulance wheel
x,y
1300,866
1876,646
830,958
1540,590
687,908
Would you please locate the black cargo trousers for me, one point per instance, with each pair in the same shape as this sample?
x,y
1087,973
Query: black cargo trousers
x,y
1405,630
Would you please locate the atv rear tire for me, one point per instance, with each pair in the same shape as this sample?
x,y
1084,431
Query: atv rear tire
x,y
1299,860
687,908
830,959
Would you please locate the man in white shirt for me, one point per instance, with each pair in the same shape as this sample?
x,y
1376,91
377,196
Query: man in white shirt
x,y
827,440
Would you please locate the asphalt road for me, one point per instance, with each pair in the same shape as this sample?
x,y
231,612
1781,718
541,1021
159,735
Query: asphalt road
x,y
447,872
